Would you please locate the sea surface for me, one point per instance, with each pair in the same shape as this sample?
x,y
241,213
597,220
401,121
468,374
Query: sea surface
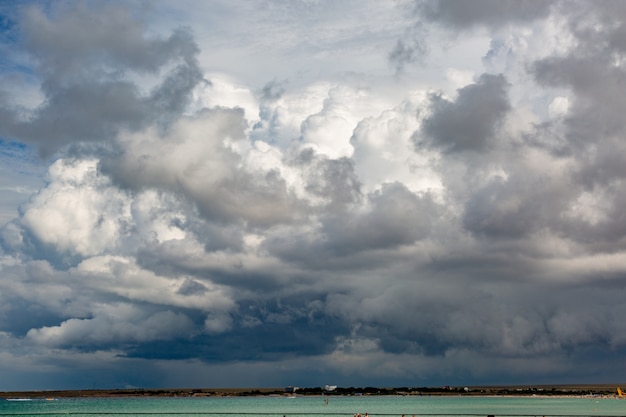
x,y
314,406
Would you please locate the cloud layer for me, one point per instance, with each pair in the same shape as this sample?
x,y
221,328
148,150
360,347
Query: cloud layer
x,y
451,212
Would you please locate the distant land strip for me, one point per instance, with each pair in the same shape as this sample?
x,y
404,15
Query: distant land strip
x,y
523,390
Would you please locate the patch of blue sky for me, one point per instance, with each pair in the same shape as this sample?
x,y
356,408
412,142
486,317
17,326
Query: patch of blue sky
x,y
8,32
13,148
20,157
10,61
8,28
21,175
27,72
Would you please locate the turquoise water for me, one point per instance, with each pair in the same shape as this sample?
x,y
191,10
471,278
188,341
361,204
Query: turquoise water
x,y
316,406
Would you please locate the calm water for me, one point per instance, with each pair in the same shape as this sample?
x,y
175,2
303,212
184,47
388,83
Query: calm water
x,y
316,407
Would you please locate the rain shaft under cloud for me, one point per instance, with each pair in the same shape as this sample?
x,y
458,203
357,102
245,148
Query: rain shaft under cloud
x,y
434,197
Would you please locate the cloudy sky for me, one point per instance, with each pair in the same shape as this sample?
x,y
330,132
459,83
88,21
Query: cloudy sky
x,y
309,192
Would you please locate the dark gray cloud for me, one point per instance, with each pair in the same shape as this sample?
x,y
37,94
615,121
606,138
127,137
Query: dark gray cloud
x,y
593,78
409,49
272,341
395,217
333,180
459,14
518,206
87,59
470,122
111,42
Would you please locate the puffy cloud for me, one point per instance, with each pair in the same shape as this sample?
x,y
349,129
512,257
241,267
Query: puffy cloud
x,y
384,150
124,278
79,213
433,223
329,131
119,324
201,164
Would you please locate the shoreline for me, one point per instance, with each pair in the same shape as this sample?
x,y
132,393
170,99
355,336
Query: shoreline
x,y
548,391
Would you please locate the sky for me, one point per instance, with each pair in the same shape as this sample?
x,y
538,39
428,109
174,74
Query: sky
x,y
266,193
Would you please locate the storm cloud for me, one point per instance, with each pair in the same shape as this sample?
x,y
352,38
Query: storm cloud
x,y
435,197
